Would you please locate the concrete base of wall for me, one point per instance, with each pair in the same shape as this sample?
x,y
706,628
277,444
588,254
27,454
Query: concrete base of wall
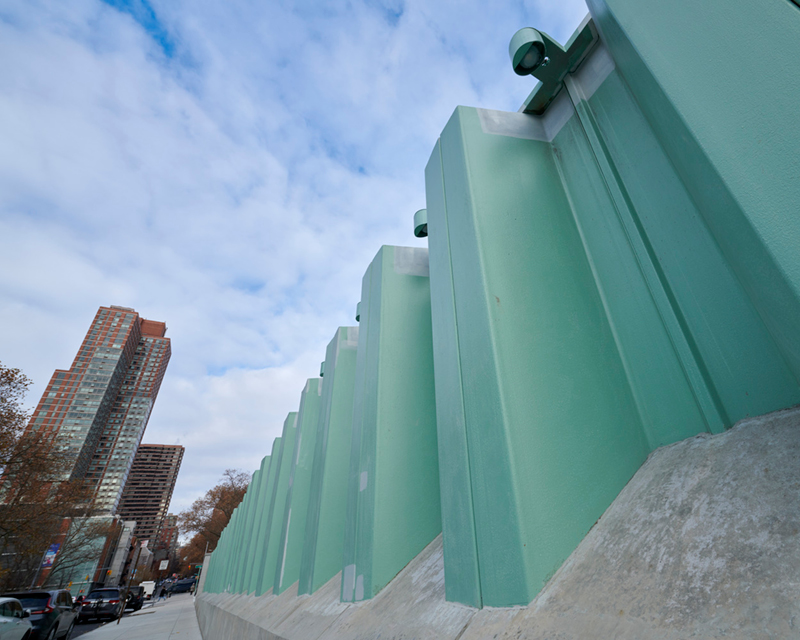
x,y
703,542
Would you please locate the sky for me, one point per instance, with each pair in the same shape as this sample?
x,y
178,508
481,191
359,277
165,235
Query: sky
x,y
230,168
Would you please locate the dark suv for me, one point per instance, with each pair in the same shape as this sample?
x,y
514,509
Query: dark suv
x,y
52,612
100,603
135,598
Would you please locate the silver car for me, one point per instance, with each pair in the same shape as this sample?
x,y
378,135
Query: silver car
x,y
14,622
53,614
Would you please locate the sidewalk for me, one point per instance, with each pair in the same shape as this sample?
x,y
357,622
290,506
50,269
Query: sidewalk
x,y
172,619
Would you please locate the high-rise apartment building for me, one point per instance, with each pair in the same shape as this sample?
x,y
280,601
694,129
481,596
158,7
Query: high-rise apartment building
x,y
97,410
167,544
168,538
149,489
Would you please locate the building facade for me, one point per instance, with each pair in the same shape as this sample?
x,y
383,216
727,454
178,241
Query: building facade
x,y
168,539
166,547
98,409
121,559
148,489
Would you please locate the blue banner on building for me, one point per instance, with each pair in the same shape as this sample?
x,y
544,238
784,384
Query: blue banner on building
x,y
50,555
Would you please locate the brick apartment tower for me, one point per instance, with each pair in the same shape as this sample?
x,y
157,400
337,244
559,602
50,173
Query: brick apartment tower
x,y
148,490
97,410
168,539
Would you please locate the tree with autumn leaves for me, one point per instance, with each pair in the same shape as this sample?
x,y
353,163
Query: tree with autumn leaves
x,y
209,515
38,501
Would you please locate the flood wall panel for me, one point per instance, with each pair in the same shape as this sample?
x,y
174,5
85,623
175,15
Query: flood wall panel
x,y
274,524
290,547
743,179
262,514
590,306
393,499
323,545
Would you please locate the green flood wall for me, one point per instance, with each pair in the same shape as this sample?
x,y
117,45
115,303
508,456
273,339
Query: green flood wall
x,y
209,571
271,539
325,521
615,275
256,491
262,516
229,549
216,569
587,308
542,386
212,571
235,547
290,547
393,507
213,582
733,145
243,532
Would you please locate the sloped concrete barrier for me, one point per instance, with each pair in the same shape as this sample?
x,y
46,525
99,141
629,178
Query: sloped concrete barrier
x,y
703,542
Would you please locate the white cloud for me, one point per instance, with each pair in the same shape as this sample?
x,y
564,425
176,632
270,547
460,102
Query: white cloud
x,y
236,190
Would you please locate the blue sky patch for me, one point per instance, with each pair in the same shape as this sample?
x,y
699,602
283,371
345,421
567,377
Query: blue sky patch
x,y
145,15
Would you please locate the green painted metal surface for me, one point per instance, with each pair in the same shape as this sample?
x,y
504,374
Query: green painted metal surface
x,y
458,518
235,547
220,552
421,223
213,571
290,547
543,388
230,548
262,518
737,369
585,308
256,491
743,179
243,533
615,274
232,558
209,571
271,539
325,521
393,506
534,52
212,582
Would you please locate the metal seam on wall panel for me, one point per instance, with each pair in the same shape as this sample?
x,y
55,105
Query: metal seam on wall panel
x,y
483,540
460,385
704,389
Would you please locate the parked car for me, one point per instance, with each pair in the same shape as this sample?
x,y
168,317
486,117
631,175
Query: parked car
x,y
52,613
14,622
100,603
135,598
181,586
